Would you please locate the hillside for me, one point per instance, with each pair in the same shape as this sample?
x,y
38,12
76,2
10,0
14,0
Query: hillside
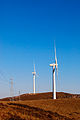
x,y
41,106
39,96
47,109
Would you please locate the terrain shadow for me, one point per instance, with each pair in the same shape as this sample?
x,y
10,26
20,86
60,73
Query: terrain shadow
x,y
38,112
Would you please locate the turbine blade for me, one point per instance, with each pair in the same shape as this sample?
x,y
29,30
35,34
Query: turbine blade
x,y
37,75
55,56
55,51
57,72
34,67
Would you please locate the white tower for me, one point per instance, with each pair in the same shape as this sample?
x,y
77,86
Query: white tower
x,y
55,68
34,78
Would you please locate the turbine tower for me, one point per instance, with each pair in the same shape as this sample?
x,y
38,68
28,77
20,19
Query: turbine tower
x,y
34,78
55,68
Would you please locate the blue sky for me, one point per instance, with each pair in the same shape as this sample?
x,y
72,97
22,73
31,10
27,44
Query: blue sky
x,y
28,29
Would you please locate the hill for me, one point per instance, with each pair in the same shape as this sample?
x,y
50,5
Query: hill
x,y
41,106
60,109
39,96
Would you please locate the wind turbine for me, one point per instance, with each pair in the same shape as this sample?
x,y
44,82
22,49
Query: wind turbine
x,y
34,79
55,68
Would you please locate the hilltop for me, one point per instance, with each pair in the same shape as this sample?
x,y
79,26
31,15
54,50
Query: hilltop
x,y
39,96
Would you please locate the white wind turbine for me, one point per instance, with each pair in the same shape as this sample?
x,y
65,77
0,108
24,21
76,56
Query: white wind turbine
x,y
34,80
55,68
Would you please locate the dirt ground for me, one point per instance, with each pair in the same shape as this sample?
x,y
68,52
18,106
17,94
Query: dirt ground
x,y
45,109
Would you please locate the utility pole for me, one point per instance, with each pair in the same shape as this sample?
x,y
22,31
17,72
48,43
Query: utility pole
x,y
11,89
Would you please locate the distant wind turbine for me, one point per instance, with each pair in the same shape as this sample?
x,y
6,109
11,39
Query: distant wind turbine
x,y
34,80
55,68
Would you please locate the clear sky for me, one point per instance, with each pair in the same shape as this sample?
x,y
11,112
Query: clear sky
x,y
28,29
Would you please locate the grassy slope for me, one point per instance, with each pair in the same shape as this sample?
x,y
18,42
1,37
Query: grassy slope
x,y
41,107
61,109
66,107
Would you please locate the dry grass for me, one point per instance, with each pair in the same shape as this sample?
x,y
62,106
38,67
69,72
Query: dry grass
x,y
41,109
61,109
66,107
39,96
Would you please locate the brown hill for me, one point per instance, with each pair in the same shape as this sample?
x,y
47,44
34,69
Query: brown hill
x,y
47,109
39,96
41,106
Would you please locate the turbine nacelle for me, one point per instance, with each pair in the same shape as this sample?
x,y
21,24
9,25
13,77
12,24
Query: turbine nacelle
x,y
34,73
54,65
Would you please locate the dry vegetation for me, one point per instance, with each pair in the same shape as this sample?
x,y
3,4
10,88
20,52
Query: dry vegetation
x,y
39,96
41,109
